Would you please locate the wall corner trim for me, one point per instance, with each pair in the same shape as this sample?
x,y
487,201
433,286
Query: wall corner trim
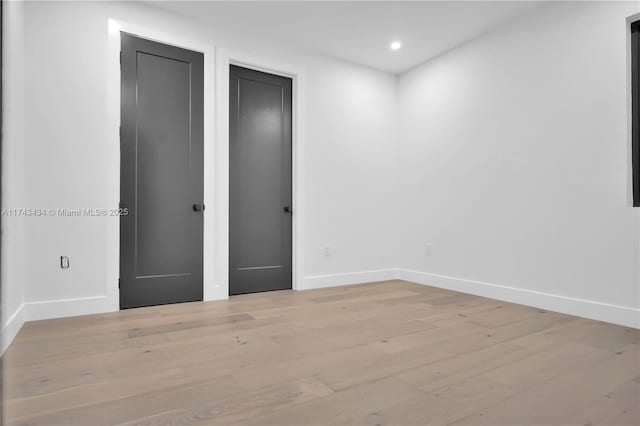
x,y
51,309
12,326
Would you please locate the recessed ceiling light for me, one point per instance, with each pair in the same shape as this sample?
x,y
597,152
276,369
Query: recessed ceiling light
x,y
396,45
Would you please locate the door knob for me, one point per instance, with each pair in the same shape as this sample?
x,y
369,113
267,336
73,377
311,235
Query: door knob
x,y
198,207
287,209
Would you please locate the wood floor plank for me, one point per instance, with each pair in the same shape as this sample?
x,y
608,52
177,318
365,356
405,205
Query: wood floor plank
x,y
354,406
552,403
545,365
621,407
447,405
237,408
121,410
393,353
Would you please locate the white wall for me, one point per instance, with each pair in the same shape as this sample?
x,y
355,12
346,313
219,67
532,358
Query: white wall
x,y
514,165
12,171
508,155
351,151
348,108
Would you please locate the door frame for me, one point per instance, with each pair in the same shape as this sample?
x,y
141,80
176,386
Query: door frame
x,y
224,59
630,199
114,28
216,157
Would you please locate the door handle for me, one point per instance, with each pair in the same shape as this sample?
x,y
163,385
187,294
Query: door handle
x,y
287,209
198,207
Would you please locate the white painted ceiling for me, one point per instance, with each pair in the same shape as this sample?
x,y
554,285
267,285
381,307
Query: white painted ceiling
x,y
359,31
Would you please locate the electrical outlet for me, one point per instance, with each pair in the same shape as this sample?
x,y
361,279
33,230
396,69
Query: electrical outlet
x,y
427,249
327,251
64,262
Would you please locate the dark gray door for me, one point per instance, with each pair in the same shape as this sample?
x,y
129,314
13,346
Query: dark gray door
x,y
162,119
260,181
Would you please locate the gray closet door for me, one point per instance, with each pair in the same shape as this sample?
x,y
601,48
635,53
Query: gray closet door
x,y
260,181
161,173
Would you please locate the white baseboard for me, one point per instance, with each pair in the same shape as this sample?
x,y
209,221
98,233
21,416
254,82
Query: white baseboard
x,y
11,327
49,309
616,314
335,280
61,308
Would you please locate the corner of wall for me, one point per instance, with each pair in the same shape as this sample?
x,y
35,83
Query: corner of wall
x,y
11,327
13,268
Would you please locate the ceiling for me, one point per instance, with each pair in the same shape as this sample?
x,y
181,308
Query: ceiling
x,y
359,31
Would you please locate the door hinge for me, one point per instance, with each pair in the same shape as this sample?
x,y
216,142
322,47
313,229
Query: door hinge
x,y
118,283
120,57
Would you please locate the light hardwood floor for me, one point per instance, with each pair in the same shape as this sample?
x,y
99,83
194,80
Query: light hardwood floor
x,y
392,353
